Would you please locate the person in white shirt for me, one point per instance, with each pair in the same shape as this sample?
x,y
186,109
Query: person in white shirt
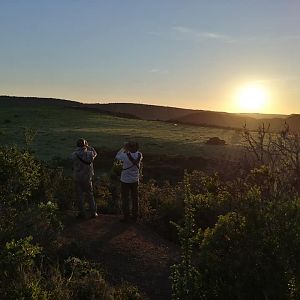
x,y
83,172
130,176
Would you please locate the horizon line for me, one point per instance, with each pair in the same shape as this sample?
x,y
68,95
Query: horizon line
x,y
147,104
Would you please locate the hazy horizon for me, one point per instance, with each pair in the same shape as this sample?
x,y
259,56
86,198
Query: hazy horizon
x,y
141,103
232,56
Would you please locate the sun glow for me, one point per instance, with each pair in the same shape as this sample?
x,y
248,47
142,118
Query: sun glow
x,y
252,98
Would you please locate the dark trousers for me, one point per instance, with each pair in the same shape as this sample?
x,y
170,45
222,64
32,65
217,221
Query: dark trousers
x,y
132,189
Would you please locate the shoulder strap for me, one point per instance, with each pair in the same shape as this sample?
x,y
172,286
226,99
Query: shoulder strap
x,y
135,162
82,160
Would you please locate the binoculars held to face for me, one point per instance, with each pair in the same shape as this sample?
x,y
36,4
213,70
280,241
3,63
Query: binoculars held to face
x,y
131,146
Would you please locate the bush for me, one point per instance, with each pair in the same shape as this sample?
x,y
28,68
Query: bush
x,y
86,281
17,262
55,187
252,250
19,178
31,194
107,196
126,292
148,199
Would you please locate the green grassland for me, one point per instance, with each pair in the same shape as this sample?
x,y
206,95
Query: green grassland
x,y
58,128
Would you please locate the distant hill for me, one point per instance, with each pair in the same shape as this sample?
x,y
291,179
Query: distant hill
x,y
34,101
165,113
202,117
14,100
219,119
145,111
199,117
294,122
228,120
262,116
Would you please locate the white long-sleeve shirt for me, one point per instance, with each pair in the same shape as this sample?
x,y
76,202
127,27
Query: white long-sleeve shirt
x,y
130,172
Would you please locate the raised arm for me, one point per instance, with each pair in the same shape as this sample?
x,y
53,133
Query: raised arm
x,y
94,153
121,154
91,154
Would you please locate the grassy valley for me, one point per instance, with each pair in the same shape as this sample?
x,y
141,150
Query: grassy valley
x,y
57,128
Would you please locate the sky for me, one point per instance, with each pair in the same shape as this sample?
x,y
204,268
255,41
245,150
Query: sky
x,y
192,54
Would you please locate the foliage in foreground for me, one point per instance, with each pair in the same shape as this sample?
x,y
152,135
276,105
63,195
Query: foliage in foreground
x,y
30,266
252,250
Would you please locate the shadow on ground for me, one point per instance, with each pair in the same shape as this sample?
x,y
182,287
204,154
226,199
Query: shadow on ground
x,y
127,252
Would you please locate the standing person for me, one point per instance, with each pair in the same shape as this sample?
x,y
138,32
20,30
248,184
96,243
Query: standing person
x,y
130,176
83,172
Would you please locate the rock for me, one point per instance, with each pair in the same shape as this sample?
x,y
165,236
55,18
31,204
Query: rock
x,y
215,141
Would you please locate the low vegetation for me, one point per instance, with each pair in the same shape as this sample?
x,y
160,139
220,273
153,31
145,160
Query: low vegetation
x,y
239,234
249,248
31,263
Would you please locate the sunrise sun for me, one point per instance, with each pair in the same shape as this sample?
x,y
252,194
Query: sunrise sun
x,y
252,98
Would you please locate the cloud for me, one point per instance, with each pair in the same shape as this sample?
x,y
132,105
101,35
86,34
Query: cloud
x,y
182,32
191,34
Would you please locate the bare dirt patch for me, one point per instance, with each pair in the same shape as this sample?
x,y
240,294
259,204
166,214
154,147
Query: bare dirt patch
x,y
127,252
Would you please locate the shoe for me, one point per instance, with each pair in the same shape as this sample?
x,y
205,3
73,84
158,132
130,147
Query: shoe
x,y
94,215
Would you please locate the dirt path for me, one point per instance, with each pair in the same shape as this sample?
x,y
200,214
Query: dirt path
x,y
127,252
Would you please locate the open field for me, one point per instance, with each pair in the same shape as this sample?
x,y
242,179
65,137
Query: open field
x,y
57,129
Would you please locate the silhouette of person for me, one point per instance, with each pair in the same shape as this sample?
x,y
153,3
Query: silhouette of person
x,y
83,172
130,176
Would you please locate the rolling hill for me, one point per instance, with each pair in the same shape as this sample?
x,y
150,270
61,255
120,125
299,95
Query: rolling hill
x,y
202,117
58,124
227,120
164,113
145,111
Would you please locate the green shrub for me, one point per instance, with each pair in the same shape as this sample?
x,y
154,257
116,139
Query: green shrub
x,y
31,194
126,292
86,281
107,195
252,250
55,187
148,199
17,270
18,254
19,178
